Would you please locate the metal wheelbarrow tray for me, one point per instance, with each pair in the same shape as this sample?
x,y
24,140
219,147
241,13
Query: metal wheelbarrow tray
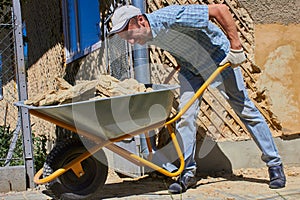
x,y
105,121
110,118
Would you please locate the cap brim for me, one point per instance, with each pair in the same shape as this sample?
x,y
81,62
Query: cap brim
x,y
119,27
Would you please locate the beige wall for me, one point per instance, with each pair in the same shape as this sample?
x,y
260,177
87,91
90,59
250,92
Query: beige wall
x,y
277,52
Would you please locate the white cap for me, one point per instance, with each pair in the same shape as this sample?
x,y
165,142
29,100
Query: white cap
x,y
121,17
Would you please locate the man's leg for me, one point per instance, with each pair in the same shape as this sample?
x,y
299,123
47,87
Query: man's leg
x,y
186,129
237,96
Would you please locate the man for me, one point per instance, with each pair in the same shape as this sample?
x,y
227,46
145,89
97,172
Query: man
x,y
199,47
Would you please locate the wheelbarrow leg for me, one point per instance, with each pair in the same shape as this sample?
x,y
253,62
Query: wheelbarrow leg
x,y
160,169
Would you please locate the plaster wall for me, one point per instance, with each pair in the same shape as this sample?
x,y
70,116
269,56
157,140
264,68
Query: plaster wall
x,y
277,52
273,11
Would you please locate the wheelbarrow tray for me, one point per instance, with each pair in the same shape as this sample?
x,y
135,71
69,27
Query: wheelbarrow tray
x,y
114,117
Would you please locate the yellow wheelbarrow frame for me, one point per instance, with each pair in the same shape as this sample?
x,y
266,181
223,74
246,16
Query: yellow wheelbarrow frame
x,y
76,166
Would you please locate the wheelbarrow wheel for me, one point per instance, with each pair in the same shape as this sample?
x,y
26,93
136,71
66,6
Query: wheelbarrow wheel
x,y
68,185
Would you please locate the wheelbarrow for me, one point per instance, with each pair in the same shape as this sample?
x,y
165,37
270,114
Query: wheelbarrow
x,y
76,171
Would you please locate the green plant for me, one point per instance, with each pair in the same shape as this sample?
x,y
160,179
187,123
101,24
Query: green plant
x,y
5,140
39,148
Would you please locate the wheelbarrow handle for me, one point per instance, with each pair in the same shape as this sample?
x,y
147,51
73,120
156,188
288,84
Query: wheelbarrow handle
x,y
199,92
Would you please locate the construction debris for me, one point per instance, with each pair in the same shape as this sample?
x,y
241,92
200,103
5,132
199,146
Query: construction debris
x,y
106,86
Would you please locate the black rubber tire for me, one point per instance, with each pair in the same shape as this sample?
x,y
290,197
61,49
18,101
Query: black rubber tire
x,y
68,185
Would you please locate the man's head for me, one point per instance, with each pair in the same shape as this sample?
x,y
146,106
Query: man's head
x,y
129,23
121,17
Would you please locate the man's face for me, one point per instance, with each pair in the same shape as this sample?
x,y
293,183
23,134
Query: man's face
x,y
137,31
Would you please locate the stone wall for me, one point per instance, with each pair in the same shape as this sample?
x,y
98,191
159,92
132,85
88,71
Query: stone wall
x,y
273,11
46,56
45,51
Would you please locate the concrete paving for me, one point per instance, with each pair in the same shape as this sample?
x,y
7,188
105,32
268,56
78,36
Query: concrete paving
x,y
248,180
12,178
247,184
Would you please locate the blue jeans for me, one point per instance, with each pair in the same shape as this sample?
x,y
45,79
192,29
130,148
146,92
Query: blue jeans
x,y
235,92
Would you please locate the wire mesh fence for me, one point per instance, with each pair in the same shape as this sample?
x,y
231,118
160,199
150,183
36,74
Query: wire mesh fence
x,y
120,58
9,125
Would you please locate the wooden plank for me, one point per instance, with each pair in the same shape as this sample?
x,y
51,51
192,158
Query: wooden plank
x,y
227,122
203,125
152,6
170,2
155,55
158,3
171,58
294,133
237,15
229,110
248,73
263,112
204,111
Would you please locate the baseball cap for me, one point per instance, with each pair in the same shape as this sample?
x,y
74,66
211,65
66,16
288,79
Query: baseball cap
x,y
121,17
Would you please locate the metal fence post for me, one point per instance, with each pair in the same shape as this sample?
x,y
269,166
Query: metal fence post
x,y
1,89
22,90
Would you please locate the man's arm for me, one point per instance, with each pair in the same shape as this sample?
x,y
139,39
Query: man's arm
x,y
221,13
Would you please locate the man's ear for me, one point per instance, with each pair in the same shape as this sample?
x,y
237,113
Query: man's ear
x,y
141,20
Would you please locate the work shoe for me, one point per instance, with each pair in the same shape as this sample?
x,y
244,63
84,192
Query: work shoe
x,y
277,177
182,184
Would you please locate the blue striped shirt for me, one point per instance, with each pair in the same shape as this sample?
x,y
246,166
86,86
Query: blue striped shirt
x,y
186,32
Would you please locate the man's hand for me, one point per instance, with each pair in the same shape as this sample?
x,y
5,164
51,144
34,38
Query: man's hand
x,y
235,57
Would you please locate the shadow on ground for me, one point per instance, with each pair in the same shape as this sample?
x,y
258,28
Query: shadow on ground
x,y
159,186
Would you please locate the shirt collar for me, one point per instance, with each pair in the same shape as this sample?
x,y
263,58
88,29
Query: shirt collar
x,y
155,25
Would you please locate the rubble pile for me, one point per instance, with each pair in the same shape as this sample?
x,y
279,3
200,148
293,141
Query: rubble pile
x,y
106,86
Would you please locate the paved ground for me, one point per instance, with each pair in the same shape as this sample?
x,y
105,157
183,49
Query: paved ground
x,y
242,184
